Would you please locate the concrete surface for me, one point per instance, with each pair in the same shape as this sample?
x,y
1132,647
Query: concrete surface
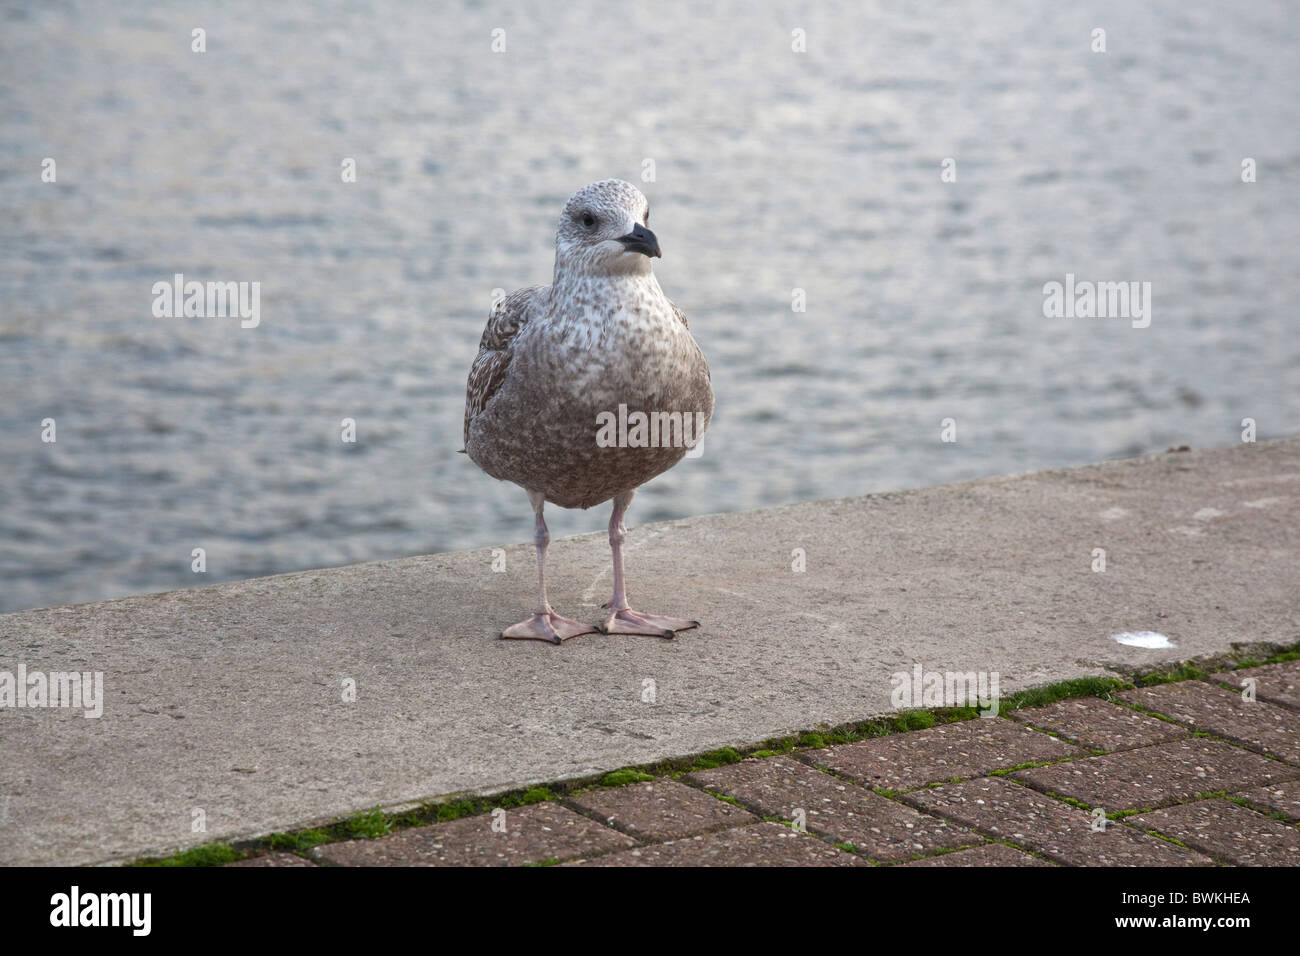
x,y
229,701
702,816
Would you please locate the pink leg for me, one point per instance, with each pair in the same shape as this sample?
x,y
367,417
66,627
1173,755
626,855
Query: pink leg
x,y
622,619
545,624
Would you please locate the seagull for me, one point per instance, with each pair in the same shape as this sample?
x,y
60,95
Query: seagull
x,y
558,365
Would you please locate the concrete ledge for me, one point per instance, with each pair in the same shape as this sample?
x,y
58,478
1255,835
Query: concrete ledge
x,y
229,700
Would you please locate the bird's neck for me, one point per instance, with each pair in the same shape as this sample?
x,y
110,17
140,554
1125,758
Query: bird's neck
x,y
607,288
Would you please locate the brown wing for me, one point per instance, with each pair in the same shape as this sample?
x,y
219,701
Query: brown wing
x,y
680,314
494,350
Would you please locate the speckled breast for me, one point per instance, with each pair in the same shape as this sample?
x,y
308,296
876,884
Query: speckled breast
x,y
582,446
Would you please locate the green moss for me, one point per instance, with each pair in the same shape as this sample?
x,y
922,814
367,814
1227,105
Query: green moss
x,y
1027,765
1178,672
1168,839
913,720
300,842
535,795
1062,690
370,824
843,736
412,818
716,758
549,861
766,753
620,778
211,854
1125,814
454,810
1070,800
931,854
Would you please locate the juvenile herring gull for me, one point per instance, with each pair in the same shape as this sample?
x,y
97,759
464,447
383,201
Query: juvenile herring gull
x,y
602,343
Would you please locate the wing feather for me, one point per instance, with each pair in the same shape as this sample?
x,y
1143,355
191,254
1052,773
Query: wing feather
x,y
680,314
488,372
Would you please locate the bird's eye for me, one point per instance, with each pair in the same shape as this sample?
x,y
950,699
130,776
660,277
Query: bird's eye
x,y
646,218
588,220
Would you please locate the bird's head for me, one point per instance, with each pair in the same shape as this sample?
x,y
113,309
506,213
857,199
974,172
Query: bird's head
x,y
603,231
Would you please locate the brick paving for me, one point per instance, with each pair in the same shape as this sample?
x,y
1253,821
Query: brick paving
x,y
945,796
1283,798
841,811
274,859
987,854
1012,812
533,834
661,810
763,844
1278,683
1269,728
1227,830
1153,777
1100,725
951,751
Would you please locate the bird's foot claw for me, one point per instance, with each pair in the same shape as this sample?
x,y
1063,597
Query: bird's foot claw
x,y
628,621
547,626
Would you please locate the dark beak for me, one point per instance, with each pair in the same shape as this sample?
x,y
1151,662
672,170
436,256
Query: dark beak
x,y
641,240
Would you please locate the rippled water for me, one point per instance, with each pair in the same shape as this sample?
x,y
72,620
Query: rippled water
x,y
774,170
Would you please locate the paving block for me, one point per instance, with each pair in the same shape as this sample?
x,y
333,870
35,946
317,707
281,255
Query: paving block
x,y
1099,724
1156,776
1226,830
987,854
968,748
1278,683
879,828
535,833
662,809
273,859
1281,798
1258,724
763,844
1008,811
